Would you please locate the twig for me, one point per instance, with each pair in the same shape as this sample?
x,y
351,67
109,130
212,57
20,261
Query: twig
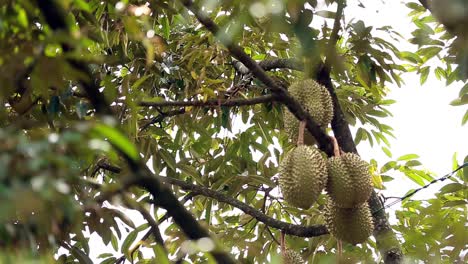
x,y
162,116
154,226
336,147
300,137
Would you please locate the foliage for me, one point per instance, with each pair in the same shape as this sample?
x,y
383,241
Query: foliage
x,y
66,169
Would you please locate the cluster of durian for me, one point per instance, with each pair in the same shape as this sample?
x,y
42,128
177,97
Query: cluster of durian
x,y
304,171
349,186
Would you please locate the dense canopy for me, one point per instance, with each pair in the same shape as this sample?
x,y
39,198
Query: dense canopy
x,y
172,111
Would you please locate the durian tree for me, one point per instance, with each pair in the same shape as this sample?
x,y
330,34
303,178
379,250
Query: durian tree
x,y
190,113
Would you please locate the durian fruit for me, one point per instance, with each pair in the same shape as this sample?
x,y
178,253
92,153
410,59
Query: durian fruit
x,y
349,181
302,176
316,100
292,257
352,225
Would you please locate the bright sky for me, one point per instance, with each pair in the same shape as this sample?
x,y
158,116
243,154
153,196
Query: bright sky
x,y
424,123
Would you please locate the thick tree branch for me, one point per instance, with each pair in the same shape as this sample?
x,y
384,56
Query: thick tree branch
x,y
55,16
212,102
279,93
291,229
270,64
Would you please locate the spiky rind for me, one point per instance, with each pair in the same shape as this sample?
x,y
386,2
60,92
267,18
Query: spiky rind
x,y
292,257
302,176
349,181
316,100
352,225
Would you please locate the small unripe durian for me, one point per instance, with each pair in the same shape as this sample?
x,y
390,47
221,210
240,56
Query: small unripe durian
x,y
292,257
349,181
302,176
352,225
316,100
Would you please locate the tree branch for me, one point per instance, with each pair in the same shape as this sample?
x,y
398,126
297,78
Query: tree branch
x,y
334,34
291,229
279,93
212,102
154,226
271,64
161,117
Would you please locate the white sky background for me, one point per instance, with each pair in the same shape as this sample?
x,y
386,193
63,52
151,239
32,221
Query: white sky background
x,y
424,123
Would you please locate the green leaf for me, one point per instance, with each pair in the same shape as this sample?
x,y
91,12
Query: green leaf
x,y
359,136
465,169
388,166
22,17
168,158
409,56
114,242
190,171
166,28
129,241
105,255
118,140
408,157
415,177
326,14
465,118
455,203
140,81
81,4
424,74
80,255
415,6
387,152
413,163
110,260
161,255
452,187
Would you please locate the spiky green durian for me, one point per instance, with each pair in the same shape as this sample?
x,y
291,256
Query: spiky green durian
x,y
349,181
316,100
292,257
352,225
302,176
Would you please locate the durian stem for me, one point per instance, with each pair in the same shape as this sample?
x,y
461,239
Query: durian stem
x,y
283,245
336,147
339,247
300,137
